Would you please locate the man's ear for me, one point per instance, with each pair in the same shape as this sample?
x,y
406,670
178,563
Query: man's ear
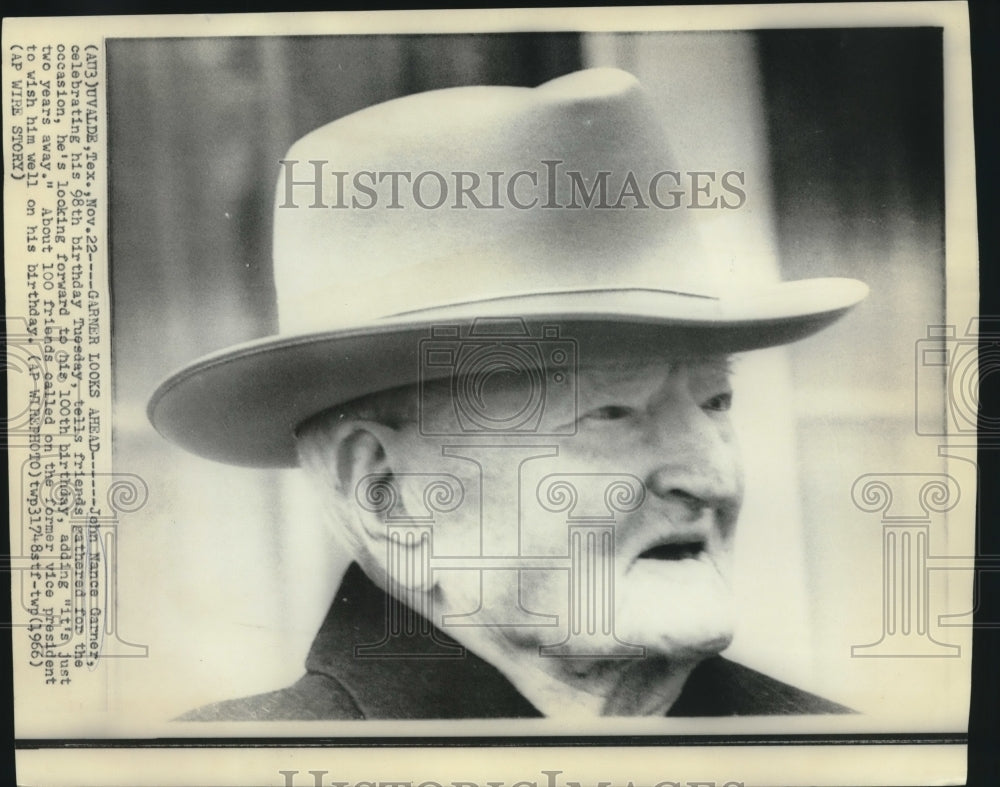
x,y
362,457
358,458
358,453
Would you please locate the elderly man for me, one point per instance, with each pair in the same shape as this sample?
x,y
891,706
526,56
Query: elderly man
x,y
504,362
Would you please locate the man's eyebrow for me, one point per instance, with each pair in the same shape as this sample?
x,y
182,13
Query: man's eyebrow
x,y
616,378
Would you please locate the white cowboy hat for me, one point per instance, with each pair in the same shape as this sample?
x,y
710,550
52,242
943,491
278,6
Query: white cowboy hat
x,y
552,208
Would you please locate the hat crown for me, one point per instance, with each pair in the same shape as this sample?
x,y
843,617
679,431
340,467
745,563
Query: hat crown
x,y
477,193
370,261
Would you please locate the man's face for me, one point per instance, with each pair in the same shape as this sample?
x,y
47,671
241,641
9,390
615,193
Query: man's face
x,y
645,452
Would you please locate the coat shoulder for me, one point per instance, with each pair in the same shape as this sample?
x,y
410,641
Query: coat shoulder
x,y
312,697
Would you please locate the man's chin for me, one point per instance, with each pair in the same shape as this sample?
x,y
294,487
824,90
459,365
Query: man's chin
x,y
678,609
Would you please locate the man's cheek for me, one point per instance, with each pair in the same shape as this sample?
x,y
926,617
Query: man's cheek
x,y
544,534
458,533
599,451
546,592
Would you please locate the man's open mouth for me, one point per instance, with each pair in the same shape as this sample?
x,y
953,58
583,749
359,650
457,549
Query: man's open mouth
x,y
677,550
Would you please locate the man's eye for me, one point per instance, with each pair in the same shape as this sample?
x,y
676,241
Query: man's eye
x,y
610,412
719,403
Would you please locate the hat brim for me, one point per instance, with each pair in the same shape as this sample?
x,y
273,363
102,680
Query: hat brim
x,y
242,405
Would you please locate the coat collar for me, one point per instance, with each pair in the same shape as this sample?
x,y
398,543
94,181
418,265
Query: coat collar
x,y
419,673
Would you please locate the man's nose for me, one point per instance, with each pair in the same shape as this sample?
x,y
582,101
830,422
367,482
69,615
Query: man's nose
x,y
694,465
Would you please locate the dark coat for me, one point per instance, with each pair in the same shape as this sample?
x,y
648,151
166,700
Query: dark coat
x,y
428,675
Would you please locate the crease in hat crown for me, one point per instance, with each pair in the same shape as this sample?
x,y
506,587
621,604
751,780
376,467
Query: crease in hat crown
x,y
359,289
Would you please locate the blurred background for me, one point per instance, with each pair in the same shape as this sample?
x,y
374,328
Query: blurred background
x,y
225,573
